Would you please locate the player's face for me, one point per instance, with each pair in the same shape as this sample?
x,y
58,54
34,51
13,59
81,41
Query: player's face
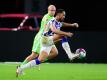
x,y
62,16
52,11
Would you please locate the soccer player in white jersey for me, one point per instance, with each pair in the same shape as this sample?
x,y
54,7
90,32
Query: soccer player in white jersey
x,y
49,35
36,44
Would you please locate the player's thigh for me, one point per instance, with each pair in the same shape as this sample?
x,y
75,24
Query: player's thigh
x,y
53,51
45,50
36,46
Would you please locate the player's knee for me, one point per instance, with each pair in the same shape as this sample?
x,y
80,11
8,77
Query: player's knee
x,y
41,59
43,56
56,52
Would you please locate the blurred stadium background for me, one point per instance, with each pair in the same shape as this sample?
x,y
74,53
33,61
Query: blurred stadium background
x,y
91,35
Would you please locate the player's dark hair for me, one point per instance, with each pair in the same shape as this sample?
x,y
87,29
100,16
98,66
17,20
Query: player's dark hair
x,y
59,11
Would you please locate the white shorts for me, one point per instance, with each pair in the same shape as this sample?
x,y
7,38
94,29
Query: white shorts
x,y
47,49
47,41
47,44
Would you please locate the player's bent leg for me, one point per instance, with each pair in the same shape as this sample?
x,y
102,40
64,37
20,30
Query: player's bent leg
x,y
43,56
67,49
53,53
28,59
65,45
32,56
35,51
33,63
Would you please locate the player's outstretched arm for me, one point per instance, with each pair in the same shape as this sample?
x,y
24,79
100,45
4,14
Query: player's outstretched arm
x,y
64,24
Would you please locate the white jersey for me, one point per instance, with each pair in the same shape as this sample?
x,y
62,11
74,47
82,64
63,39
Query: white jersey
x,y
47,37
53,22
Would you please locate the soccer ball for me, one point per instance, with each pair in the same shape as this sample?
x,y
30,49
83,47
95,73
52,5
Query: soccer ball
x,y
81,52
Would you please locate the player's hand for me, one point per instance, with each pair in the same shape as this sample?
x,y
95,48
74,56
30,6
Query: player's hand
x,y
69,34
76,25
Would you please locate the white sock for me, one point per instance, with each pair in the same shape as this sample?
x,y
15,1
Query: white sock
x,y
67,49
28,65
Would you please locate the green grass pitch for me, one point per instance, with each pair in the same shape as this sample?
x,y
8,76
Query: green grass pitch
x,y
57,71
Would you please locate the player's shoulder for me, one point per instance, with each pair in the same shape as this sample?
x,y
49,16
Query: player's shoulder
x,y
46,17
52,20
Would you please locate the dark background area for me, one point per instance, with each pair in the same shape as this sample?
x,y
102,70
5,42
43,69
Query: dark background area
x,y
15,46
91,35
91,15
